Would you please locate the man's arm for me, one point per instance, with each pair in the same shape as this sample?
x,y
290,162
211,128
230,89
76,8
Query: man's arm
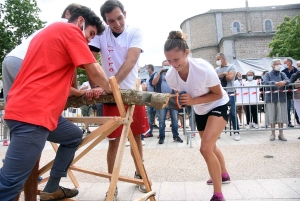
x,y
131,59
93,84
230,76
97,76
74,81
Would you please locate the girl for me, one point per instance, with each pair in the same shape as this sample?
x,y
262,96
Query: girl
x,y
203,90
251,100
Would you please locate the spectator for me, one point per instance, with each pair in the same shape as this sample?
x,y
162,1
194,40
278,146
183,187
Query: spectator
x,y
228,71
276,112
289,71
295,78
239,83
151,112
86,110
161,86
251,99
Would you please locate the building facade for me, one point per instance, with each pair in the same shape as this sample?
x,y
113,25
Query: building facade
x,y
239,33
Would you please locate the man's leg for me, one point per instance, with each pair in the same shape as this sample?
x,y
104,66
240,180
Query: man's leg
x,y
150,119
162,124
234,119
27,143
69,136
111,153
174,120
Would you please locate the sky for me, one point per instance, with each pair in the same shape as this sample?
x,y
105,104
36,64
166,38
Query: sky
x,y
156,18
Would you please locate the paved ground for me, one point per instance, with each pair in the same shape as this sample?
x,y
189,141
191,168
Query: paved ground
x,y
179,172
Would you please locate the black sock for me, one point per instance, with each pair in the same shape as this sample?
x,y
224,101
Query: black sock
x,y
52,185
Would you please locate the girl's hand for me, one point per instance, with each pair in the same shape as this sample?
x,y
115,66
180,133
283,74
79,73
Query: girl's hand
x,y
186,99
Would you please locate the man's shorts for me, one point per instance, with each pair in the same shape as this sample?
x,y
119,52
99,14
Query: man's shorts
x,y
220,111
139,125
87,110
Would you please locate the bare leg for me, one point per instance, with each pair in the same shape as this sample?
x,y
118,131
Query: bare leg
x,y
111,153
219,155
214,127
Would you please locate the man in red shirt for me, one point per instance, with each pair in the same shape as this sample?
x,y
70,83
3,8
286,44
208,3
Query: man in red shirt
x,y
37,98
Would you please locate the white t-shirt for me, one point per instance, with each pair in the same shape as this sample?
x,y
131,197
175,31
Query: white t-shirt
x,y
85,84
201,76
238,91
20,50
114,51
250,94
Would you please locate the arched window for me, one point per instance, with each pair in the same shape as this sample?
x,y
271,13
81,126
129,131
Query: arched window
x,y
236,27
268,26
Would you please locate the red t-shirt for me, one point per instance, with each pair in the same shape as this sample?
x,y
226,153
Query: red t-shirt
x,y
41,89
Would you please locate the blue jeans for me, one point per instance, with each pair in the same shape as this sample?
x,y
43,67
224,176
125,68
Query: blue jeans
x,y
233,116
162,114
26,145
151,115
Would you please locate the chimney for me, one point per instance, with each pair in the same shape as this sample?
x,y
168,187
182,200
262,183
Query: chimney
x,y
248,21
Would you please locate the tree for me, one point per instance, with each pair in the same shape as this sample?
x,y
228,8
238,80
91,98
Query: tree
x,y
81,73
18,20
286,42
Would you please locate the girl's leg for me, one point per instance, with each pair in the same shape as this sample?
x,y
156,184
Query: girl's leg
x,y
219,155
213,129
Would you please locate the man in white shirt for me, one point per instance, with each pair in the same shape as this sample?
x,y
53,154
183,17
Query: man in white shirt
x,y
120,46
229,71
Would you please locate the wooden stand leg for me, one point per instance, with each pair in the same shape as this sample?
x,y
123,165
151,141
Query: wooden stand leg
x,y
126,132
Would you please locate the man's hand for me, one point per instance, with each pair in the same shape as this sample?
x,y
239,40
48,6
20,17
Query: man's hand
x,y
186,99
95,92
280,84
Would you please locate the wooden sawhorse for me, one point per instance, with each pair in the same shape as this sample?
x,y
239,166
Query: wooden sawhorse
x,y
109,124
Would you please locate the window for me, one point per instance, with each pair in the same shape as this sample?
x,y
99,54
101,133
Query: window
x,y
268,26
236,27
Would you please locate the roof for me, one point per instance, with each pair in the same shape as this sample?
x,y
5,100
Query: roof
x,y
244,9
257,65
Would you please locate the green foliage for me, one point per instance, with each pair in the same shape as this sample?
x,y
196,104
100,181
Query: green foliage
x,y
81,73
286,42
18,20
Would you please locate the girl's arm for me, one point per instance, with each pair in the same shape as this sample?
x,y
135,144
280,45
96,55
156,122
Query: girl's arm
x,y
214,94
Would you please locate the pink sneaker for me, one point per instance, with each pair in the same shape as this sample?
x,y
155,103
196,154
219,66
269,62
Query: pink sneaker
x,y
216,198
5,143
225,180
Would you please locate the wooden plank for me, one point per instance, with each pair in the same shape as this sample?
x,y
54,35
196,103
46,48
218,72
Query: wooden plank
x,y
139,161
107,175
97,141
86,140
96,120
122,143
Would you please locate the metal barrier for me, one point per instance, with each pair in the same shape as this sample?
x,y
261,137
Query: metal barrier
x,y
252,99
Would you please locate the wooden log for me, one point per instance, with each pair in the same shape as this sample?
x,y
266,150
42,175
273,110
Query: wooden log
x,y
129,97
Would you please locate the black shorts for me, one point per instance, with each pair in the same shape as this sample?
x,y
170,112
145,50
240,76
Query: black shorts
x,y
220,111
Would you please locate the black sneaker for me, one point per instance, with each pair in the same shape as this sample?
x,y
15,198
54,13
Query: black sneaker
x,y
161,140
178,139
83,131
88,132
